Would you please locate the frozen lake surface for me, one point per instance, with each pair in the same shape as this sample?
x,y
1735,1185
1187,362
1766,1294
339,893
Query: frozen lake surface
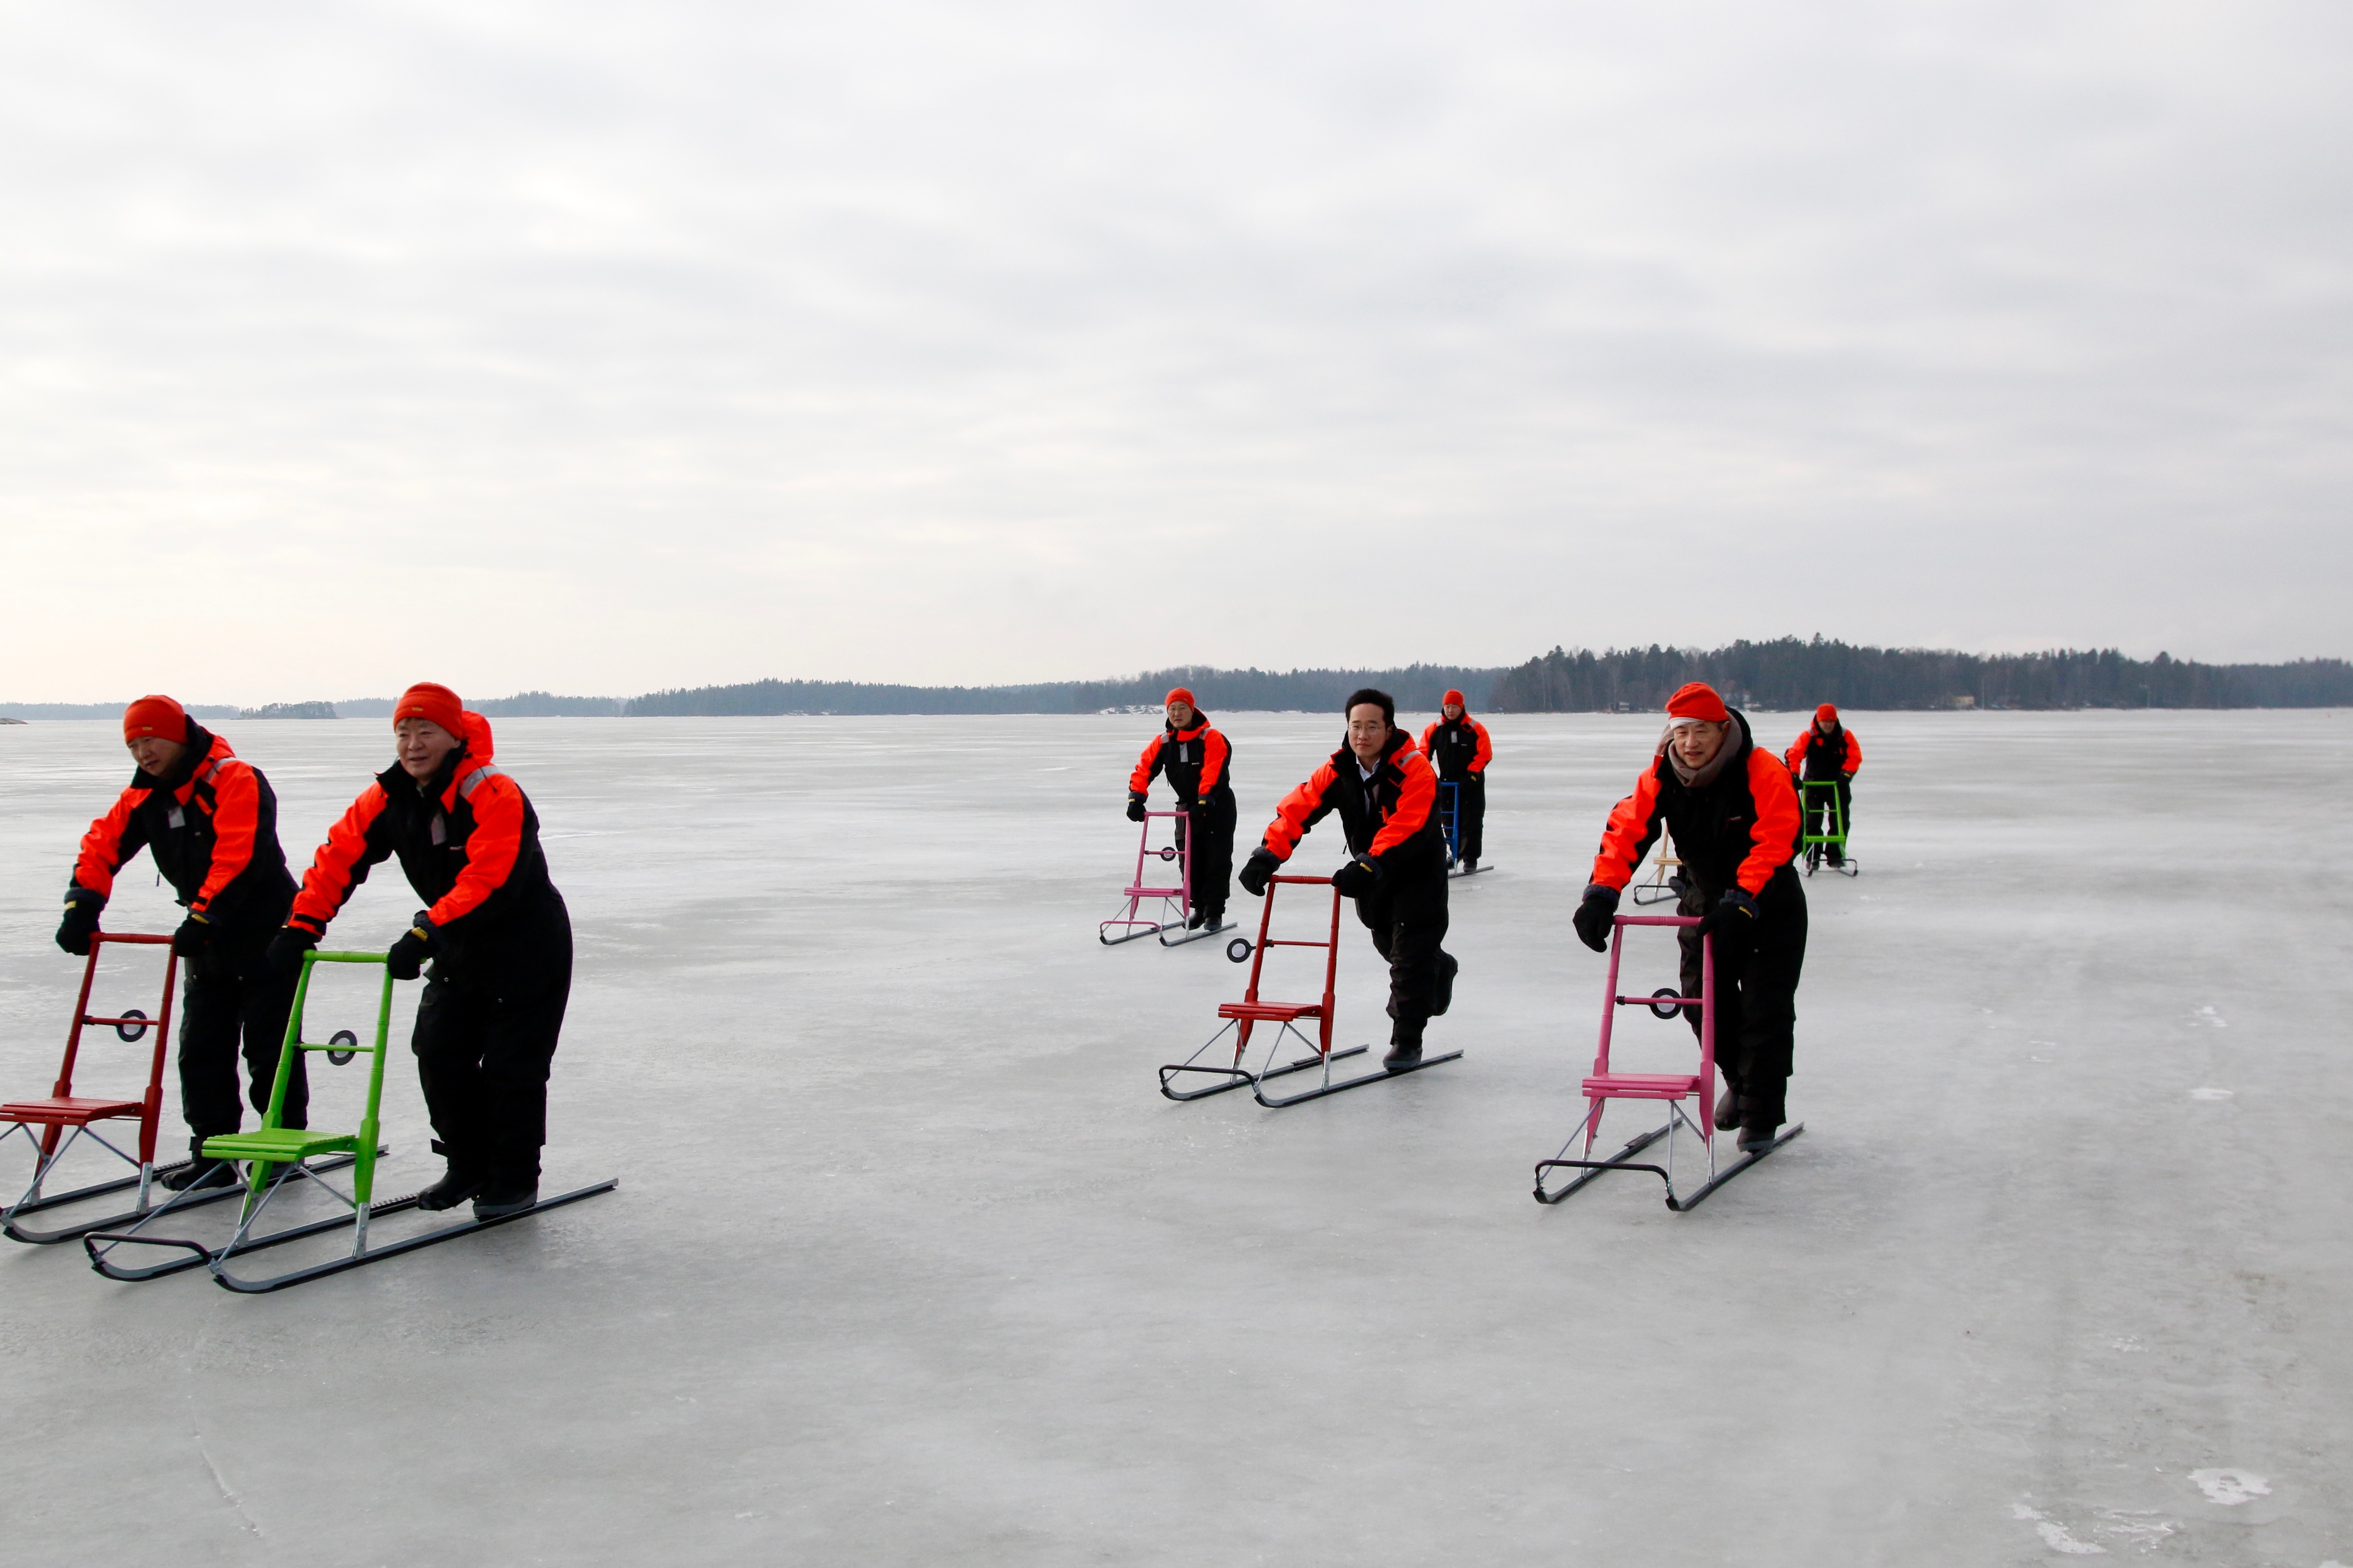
x,y
911,1264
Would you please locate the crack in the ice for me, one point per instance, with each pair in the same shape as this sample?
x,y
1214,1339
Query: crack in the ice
x,y
228,1492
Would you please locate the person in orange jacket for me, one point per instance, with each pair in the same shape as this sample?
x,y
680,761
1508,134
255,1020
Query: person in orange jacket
x,y
1733,810
1386,795
497,932
1458,747
1195,760
210,820
1828,752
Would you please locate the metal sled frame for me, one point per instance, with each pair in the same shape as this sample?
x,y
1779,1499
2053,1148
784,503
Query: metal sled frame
x,y
66,1118
1813,844
276,1153
1664,886
1244,1016
1132,923
1675,1088
1449,807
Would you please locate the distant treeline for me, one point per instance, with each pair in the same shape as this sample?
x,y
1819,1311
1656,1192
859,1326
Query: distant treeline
x,y
1787,673
1417,687
1794,674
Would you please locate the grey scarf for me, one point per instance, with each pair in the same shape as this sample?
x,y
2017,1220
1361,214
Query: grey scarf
x,y
1699,778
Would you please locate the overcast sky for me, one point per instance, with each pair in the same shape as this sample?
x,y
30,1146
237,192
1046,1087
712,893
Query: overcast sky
x,y
607,348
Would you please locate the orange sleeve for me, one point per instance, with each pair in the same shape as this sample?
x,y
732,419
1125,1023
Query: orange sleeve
x,y
1214,753
1794,759
490,849
1140,781
1774,835
102,847
1487,752
341,865
1853,753
237,810
1426,734
1633,825
1299,811
1416,796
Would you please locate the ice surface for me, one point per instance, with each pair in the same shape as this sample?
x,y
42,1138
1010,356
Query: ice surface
x,y
912,1265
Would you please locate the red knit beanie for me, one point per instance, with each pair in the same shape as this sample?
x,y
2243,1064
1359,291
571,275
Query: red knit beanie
x,y
1182,694
434,704
1698,700
1826,714
1454,696
157,716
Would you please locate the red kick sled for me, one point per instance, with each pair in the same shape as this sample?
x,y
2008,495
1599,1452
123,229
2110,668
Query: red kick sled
x,y
1242,1017
1605,1085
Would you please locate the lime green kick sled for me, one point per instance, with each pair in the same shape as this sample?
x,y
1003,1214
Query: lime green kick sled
x,y
276,1154
1833,820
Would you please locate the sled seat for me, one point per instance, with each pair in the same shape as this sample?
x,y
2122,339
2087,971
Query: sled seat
x,y
1642,1085
279,1143
68,1111
1270,1012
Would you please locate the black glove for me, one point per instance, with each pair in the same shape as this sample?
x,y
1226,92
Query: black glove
x,y
407,959
1262,865
1135,808
1592,919
1359,878
194,935
1737,911
82,918
286,948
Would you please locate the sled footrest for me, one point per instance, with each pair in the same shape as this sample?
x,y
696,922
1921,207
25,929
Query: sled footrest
x,y
68,1111
1270,1012
279,1143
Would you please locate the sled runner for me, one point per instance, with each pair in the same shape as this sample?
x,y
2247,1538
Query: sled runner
x,y
1605,1085
277,1154
1450,797
1242,1017
1174,901
1821,847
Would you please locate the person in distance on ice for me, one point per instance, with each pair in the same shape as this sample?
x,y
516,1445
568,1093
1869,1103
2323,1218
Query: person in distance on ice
x,y
210,819
1733,812
1193,757
1387,797
497,932
1458,747
1828,751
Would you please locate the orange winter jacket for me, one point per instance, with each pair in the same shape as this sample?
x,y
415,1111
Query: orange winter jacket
x,y
1194,762
211,825
1459,748
1741,828
1389,816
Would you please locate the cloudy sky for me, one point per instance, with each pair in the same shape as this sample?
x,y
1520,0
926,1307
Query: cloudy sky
x,y
605,348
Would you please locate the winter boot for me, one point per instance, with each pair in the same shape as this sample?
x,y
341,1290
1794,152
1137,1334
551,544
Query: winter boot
x,y
1757,1135
199,1174
1403,1054
1194,921
461,1183
504,1195
1727,1110
1449,966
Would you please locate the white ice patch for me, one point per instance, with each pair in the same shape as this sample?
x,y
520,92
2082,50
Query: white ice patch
x,y
2213,1093
2208,1015
2129,1343
2054,1534
2231,1488
2141,1527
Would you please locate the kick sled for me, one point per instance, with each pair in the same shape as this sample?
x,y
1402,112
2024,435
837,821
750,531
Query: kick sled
x,y
1827,849
1664,886
278,1160
1450,823
1673,1089
1242,1018
1174,902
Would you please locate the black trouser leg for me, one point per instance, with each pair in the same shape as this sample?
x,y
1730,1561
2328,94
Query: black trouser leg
x,y
1846,807
221,1007
1756,976
482,1057
1212,838
1470,816
1407,920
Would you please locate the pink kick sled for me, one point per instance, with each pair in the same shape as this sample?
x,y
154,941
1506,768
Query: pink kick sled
x,y
1605,1085
1174,903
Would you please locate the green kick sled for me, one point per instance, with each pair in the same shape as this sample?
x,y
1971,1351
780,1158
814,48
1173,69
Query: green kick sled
x,y
1833,818
276,1154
